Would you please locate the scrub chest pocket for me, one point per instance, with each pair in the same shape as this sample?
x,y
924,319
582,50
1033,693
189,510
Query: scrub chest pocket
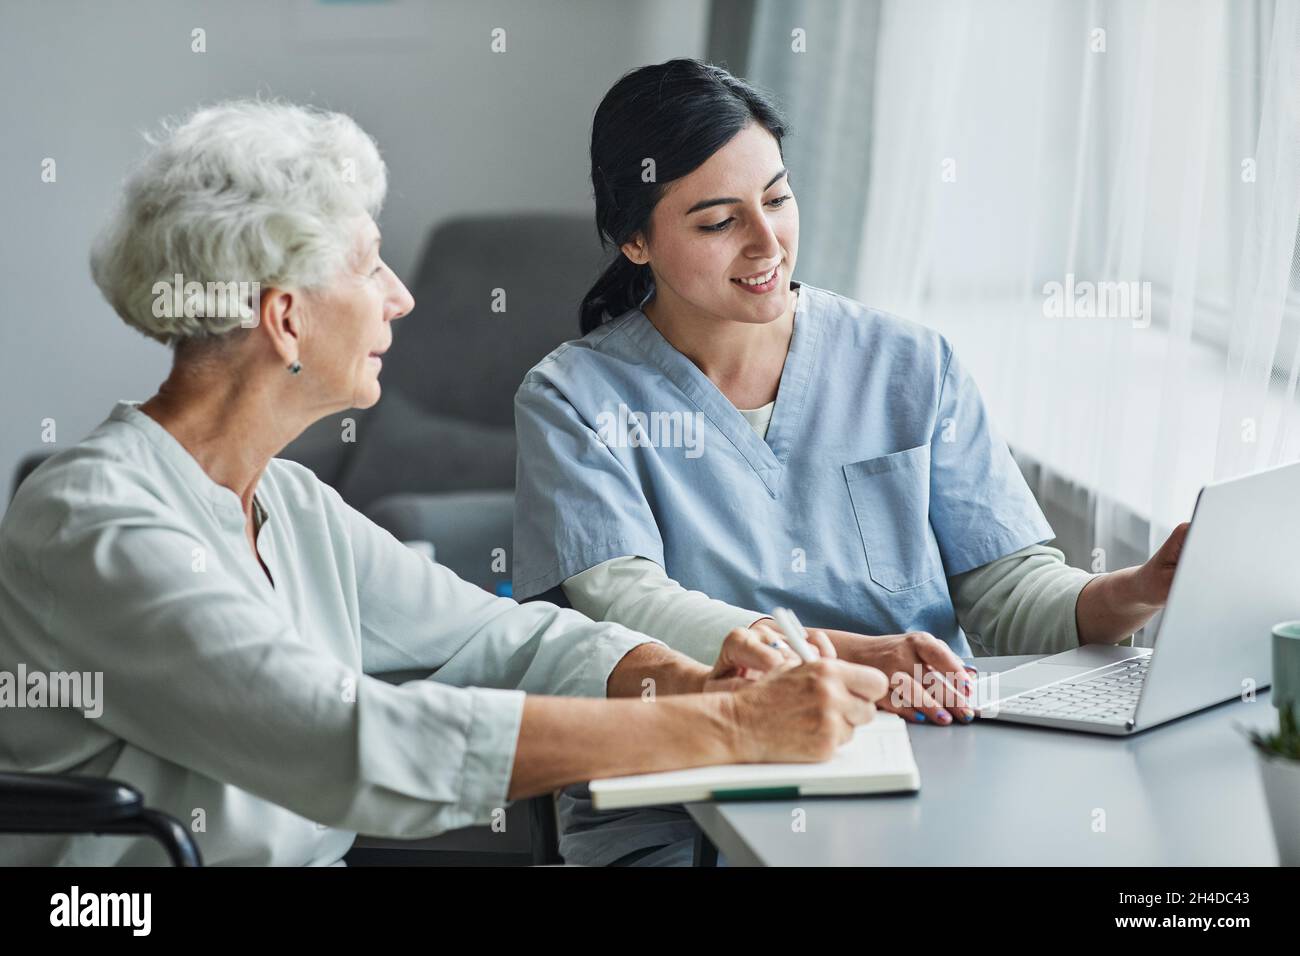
x,y
891,500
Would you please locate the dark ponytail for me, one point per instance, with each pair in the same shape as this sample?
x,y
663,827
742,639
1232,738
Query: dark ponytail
x,y
676,114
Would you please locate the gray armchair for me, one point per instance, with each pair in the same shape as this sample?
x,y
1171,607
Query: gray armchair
x,y
435,459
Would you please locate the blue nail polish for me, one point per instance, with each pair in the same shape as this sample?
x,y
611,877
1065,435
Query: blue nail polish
x,y
968,718
944,716
920,718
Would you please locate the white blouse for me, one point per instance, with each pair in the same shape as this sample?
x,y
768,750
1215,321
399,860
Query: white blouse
x,y
242,709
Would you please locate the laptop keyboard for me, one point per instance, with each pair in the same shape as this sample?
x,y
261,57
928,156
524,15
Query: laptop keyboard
x,y
1107,696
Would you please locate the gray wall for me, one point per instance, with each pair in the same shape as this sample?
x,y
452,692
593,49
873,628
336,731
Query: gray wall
x,y
462,129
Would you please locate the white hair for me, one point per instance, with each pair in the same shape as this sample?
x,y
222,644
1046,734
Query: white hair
x,y
241,192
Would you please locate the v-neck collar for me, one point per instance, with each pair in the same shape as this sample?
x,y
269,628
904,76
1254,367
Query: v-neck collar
x,y
766,457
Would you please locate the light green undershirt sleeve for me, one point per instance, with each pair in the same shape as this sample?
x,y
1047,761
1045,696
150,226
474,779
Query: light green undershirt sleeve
x,y
638,594
1023,603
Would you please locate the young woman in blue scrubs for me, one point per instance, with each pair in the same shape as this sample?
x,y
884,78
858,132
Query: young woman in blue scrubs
x,y
724,440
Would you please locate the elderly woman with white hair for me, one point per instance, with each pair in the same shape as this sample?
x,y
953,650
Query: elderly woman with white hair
x,y
235,606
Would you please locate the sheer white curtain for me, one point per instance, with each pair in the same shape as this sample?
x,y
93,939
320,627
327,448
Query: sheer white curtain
x,y
820,57
1038,172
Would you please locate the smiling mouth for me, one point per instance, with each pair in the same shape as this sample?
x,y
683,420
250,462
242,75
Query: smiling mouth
x,y
759,278
760,281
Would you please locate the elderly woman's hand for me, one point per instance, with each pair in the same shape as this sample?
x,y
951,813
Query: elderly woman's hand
x,y
750,652
803,712
785,710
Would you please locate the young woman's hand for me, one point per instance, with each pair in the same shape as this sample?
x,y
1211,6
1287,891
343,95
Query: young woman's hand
x,y
927,681
802,713
1112,606
1156,576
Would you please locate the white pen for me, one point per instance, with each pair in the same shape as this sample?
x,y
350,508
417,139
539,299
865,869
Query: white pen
x,y
794,633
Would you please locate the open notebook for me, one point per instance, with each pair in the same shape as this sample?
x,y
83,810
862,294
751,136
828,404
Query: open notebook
x,y
877,760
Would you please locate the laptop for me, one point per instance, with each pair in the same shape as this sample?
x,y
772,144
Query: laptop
x,y
1238,575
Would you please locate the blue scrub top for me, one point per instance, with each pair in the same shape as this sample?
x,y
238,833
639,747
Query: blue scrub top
x,y
880,475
